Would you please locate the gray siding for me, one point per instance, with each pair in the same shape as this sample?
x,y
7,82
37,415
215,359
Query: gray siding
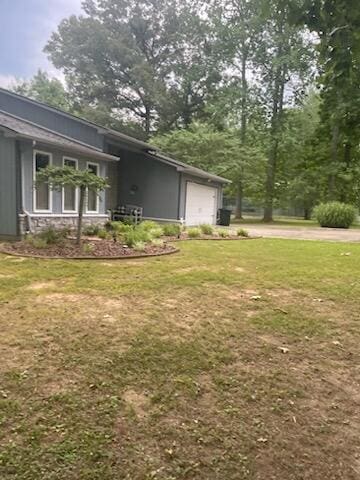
x,y
189,178
158,185
50,119
57,158
8,183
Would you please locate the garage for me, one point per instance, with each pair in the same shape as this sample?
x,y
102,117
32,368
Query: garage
x,y
201,201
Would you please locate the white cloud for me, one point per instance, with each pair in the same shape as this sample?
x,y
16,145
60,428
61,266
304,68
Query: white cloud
x,y
8,81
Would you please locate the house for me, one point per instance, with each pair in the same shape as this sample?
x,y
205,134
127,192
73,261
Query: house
x,y
34,135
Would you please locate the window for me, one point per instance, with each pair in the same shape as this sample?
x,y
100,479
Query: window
x,y
42,192
92,196
70,194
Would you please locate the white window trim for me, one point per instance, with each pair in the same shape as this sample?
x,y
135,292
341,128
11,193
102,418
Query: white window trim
x,y
36,210
97,196
76,189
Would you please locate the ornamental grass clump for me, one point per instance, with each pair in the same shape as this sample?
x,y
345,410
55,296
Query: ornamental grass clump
x,y
241,232
194,232
207,229
171,229
335,214
224,233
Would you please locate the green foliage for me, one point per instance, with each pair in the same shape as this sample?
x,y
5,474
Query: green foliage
x,y
48,236
241,232
136,235
194,232
171,229
58,177
91,230
160,63
87,248
53,236
118,227
157,242
36,242
46,90
223,233
335,214
139,246
149,225
207,229
103,234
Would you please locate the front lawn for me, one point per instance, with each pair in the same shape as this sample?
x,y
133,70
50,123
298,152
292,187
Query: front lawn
x,y
229,360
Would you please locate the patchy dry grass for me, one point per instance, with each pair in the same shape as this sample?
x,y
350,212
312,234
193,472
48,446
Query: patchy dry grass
x,y
231,360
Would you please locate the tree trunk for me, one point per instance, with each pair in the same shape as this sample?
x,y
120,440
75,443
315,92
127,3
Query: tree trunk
x,y
147,120
239,200
277,111
244,90
307,213
80,217
243,128
334,159
270,182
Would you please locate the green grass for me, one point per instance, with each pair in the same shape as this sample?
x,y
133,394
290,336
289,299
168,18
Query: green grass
x,y
172,368
282,221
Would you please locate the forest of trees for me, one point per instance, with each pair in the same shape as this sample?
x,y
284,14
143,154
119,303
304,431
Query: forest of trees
x,y
263,92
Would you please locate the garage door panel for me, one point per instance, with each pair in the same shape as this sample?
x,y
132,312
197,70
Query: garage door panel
x,y
201,201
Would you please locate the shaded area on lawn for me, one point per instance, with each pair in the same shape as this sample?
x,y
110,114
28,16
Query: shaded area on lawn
x,y
231,360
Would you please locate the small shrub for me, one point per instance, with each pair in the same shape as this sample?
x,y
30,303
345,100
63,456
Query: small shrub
x,y
103,234
53,236
118,227
136,235
223,233
157,242
156,232
36,242
207,229
91,230
171,229
194,232
241,232
88,248
148,225
139,246
335,214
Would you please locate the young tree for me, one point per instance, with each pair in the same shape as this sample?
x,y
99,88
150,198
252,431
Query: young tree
x,y
84,180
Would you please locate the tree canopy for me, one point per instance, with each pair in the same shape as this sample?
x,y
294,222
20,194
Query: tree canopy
x,y
265,92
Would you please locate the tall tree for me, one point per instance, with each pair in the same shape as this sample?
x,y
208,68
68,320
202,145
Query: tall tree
x,y
237,26
145,58
283,57
337,24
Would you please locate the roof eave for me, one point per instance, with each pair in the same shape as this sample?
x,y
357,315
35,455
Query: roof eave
x,y
80,150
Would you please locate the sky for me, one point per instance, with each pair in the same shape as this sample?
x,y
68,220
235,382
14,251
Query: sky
x,y
25,27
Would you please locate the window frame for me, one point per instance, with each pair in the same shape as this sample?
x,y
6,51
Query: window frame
x,y
35,209
65,157
97,165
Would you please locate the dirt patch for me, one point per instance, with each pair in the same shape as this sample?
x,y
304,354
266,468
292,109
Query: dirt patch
x,y
41,285
138,402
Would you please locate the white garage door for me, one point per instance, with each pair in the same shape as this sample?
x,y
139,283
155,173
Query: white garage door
x,y
201,202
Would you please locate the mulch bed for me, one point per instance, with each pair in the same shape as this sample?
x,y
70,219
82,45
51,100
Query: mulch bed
x,y
91,249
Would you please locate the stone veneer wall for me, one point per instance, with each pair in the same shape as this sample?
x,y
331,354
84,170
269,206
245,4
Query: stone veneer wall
x,y
35,224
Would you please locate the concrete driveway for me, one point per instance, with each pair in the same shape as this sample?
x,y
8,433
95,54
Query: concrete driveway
x,y
303,233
